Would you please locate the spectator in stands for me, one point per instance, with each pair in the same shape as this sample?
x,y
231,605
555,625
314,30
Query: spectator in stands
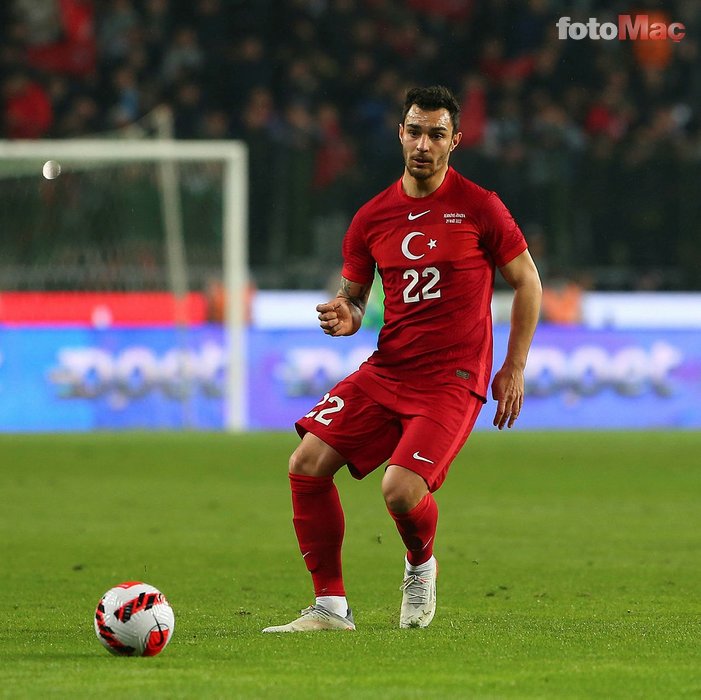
x,y
28,112
184,57
114,28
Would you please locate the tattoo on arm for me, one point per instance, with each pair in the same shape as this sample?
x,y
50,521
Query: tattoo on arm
x,y
357,294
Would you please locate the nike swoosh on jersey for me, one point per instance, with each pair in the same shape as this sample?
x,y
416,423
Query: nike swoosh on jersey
x,y
416,455
411,216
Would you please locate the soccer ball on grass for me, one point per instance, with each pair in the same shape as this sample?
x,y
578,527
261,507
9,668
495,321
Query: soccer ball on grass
x,y
134,619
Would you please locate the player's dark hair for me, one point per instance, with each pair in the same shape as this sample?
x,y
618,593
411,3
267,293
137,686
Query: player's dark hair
x,y
431,99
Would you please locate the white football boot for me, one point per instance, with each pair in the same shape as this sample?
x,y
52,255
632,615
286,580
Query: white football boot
x,y
419,597
314,619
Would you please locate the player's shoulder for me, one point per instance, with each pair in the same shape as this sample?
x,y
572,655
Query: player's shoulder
x,y
373,212
468,188
382,204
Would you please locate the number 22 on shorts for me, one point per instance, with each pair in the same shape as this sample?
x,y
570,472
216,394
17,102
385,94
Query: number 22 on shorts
x,y
337,404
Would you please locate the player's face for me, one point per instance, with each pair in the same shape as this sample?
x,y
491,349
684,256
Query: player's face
x,y
427,139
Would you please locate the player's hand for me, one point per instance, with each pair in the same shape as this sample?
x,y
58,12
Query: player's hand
x,y
507,391
336,317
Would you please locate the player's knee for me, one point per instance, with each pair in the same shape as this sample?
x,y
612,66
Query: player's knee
x,y
310,462
402,491
300,463
398,500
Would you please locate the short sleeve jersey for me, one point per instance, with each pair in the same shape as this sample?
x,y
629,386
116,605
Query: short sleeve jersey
x,y
436,257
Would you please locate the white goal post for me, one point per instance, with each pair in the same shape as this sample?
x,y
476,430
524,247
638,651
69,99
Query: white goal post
x,y
233,155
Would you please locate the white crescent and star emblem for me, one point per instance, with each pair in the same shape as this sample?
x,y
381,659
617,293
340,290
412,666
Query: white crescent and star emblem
x,y
408,238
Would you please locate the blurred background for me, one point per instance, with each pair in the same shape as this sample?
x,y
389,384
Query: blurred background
x,y
595,146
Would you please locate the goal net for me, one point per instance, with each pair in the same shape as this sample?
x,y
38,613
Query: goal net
x,y
162,222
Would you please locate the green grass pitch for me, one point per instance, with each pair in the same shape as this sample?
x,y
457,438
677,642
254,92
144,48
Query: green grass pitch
x,y
570,568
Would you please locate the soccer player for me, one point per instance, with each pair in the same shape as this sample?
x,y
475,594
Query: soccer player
x,y
436,239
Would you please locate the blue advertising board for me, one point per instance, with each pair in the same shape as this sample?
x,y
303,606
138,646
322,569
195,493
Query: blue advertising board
x,y
88,379
83,378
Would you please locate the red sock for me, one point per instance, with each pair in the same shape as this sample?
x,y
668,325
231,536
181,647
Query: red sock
x,y
320,526
418,528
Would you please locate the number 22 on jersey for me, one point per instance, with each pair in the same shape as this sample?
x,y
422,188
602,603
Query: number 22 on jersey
x,y
421,284
336,404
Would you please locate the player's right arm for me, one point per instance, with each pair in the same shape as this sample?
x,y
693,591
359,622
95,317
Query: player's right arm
x,y
344,314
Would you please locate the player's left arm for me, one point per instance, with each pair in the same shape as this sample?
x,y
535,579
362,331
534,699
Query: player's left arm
x,y
508,383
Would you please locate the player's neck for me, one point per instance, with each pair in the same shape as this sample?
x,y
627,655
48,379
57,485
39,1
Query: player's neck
x,y
422,188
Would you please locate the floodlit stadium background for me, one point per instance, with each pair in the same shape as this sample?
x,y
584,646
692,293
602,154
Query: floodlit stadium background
x,y
595,146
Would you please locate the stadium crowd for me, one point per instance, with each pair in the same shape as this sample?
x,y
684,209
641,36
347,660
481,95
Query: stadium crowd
x,y
594,145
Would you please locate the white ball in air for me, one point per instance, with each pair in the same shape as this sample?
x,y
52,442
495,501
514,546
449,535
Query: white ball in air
x,y
51,169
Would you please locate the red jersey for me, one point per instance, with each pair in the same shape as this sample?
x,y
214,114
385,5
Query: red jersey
x,y
436,256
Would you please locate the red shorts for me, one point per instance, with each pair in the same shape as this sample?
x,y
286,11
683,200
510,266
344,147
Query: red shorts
x,y
370,419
